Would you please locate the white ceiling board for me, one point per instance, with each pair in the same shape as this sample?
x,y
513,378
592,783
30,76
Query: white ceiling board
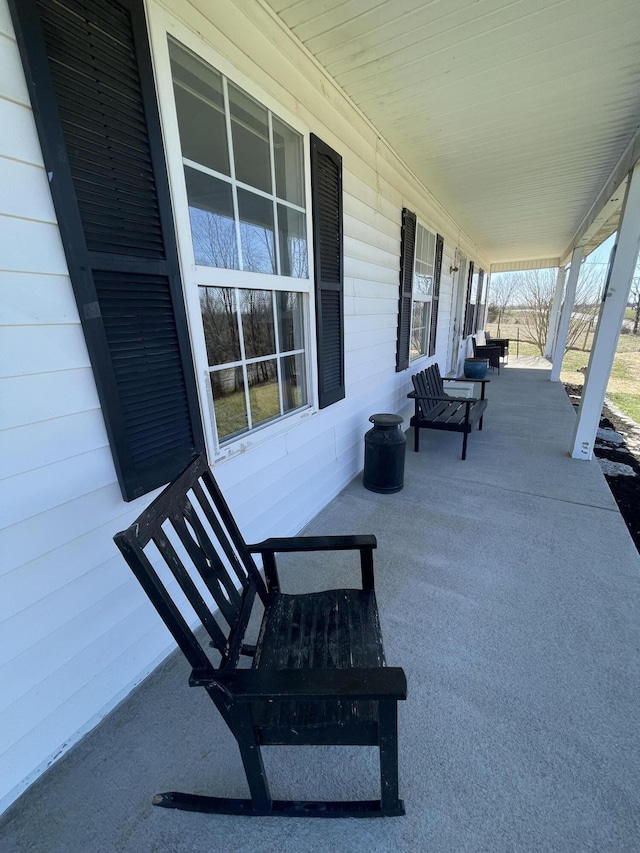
x,y
513,113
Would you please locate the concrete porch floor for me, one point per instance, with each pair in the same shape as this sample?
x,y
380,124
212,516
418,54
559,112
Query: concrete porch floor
x,y
509,591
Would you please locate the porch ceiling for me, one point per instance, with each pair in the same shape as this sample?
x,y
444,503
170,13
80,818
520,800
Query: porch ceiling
x,y
514,113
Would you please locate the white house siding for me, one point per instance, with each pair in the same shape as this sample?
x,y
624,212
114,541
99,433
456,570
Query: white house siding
x,y
76,633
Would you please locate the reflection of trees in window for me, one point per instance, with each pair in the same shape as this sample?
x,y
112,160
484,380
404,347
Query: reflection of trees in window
x,y
258,249
220,323
214,239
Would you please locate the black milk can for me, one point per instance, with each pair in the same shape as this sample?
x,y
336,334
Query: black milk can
x,y
384,451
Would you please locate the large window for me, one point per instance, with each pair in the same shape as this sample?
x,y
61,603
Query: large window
x,y
423,283
244,178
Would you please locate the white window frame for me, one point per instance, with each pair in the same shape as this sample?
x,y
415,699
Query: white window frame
x,y
162,25
424,266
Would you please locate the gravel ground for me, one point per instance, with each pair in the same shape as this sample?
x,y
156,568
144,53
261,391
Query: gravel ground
x,y
618,450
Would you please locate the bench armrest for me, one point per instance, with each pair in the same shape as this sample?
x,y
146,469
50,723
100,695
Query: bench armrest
x,y
469,400
365,543
465,379
251,685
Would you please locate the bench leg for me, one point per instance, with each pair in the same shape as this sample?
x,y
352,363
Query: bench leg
x,y
464,445
391,804
480,424
416,438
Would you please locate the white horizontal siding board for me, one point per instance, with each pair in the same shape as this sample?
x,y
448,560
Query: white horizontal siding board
x,y
49,530
12,82
61,729
361,343
52,625
6,25
362,269
18,137
32,492
377,289
38,397
26,350
36,299
25,191
358,210
362,251
35,445
384,351
29,246
33,581
370,323
370,193
371,305
371,235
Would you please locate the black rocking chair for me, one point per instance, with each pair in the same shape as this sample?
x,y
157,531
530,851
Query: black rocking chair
x,y
318,674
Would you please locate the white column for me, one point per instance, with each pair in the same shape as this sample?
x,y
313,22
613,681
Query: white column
x,y
607,333
565,314
555,313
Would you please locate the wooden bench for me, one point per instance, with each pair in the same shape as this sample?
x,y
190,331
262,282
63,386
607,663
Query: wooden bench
x,y
318,673
436,410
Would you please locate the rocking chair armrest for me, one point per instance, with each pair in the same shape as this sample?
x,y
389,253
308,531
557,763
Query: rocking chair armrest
x,y
268,548
314,543
251,685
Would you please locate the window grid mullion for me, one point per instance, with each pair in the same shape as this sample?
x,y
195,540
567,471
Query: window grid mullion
x,y
274,201
243,356
274,307
232,168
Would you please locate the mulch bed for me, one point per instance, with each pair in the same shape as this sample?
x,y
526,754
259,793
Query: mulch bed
x,y
623,476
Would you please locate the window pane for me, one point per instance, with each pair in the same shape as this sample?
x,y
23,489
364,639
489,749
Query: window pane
x,y
258,329
220,321
263,391
287,152
256,232
212,225
419,325
229,401
290,327
250,132
294,382
422,283
200,107
292,232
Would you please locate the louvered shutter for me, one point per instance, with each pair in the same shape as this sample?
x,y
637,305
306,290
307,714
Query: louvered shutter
x,y
89,73
326,198
407,260
437,272
468,311
479,302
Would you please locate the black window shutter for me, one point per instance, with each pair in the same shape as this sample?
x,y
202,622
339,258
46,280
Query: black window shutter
x,y
326,202
468,313
437,272
479,301
89,73
407,259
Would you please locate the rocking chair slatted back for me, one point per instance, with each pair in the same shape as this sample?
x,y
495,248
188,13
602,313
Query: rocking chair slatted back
x,y
192,516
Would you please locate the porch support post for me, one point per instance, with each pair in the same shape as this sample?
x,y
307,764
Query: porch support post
x,y
555,313
565,315
605,341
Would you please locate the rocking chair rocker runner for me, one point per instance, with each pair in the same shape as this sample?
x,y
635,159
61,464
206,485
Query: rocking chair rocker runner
x,y
318,673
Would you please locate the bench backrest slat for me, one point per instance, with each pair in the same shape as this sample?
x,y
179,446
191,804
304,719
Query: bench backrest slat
x,y
187,535
428,383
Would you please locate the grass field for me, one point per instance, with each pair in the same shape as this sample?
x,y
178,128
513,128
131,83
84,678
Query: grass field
x,y
624,384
